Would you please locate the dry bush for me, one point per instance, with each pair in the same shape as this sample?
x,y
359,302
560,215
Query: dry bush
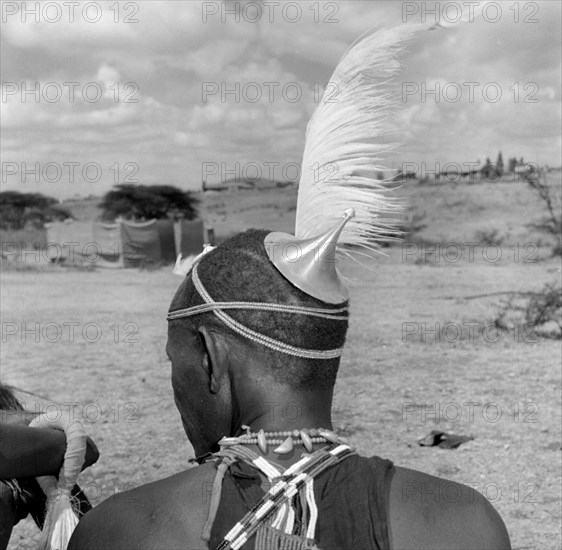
x,y
412,224
489,237
553,222
545,307
539,311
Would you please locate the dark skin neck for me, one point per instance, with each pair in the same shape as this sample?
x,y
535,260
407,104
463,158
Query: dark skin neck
x,y
263,403
221,385
286,410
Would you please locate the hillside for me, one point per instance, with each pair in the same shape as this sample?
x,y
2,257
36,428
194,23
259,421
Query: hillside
x,y
503,212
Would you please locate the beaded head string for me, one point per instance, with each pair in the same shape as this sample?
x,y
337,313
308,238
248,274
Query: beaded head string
x,y
218,308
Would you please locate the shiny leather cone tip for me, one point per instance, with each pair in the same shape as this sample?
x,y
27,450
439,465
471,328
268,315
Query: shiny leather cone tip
x,y
310,264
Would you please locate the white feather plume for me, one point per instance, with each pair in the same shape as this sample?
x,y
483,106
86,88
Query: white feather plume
x,y
347,143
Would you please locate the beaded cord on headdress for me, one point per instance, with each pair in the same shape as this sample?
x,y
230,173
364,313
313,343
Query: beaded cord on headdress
x,y
218,307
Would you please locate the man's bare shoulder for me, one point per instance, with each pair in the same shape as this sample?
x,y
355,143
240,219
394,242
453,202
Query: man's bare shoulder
x,y
169,513
434,513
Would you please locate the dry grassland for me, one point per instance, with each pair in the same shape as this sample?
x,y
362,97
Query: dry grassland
x,y
399,380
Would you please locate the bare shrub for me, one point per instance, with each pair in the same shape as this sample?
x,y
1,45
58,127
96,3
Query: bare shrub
x,y
553,222
489,237
545,307
412,224
540,311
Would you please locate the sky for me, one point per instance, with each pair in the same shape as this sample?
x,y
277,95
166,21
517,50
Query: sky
x,y
176,92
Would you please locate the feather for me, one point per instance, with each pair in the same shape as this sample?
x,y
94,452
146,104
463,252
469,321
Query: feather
x,y
347,143
183,265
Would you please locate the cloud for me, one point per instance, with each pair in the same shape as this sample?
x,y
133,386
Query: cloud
x,y
165,71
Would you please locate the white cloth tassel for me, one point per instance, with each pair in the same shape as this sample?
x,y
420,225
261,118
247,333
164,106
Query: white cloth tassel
x,y
60,522
61,519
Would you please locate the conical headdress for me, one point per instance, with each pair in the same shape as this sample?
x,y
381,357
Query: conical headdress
x,y
310,264
347,140
342,204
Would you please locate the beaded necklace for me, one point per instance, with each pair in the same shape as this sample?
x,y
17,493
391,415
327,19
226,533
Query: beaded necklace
x,y
286,516
286,440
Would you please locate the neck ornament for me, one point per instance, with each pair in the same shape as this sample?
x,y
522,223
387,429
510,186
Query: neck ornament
x,y
285,441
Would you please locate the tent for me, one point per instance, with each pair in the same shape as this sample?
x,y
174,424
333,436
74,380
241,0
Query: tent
x,y
165,230
15,242
141,243
124,244
188,237
70,240
108,238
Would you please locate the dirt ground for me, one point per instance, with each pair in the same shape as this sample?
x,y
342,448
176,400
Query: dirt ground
x,y
95,341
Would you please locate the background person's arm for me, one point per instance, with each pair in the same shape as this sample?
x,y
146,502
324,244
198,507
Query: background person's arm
x,y
17,417
30,452
23,450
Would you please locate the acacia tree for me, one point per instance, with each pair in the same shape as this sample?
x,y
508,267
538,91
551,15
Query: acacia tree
x,y
487,169
146,202
20,209
499,164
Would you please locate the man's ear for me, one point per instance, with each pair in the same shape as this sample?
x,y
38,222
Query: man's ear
x,y
215,360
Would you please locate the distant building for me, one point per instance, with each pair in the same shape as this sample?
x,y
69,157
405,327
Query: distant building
x,y
403,176
245,185
455,176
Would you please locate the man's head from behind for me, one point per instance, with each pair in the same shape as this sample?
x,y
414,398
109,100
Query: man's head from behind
x,y
218,375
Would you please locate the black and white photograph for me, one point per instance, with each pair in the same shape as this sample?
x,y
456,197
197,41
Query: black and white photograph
x,y
281,275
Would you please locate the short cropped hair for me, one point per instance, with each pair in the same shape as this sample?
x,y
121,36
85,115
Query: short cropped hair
x,y
240,270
